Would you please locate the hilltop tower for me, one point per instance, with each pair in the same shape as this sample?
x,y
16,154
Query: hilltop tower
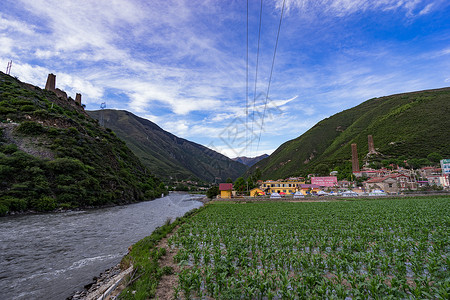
x,y
355,162
51,82
78,98
371,145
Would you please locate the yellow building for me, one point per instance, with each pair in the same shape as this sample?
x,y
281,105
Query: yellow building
x,y
256,192
285,186
308,189
226,190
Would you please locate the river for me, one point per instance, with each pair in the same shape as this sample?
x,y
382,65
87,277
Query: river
x,y
50,256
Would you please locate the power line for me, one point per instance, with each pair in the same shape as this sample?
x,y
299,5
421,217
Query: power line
x,y
270,78
246,91
256,73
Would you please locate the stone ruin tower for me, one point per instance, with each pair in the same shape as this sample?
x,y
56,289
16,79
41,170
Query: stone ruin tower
x,y
355,162
51,82
371,145
78,98
51,86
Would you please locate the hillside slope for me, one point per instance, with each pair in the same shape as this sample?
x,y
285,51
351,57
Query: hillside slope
x,y
52,154
167,155
411,125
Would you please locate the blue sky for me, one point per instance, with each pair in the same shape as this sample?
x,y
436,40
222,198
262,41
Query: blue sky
x,y
182,64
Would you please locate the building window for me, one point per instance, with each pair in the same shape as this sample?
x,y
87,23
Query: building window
x,y
390,184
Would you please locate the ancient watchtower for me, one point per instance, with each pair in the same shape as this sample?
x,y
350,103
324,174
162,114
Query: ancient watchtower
x,y
51,82
355,162
371,145
78,98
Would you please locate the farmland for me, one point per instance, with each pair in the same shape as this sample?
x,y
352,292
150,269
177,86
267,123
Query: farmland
x,y
397,248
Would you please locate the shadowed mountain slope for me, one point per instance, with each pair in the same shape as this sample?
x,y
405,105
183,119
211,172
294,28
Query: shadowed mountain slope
x,y
167,155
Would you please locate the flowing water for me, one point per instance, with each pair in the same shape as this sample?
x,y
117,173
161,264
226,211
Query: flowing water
x,y
50,256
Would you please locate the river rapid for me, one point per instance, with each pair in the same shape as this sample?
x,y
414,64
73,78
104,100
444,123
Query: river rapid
x,y
50,256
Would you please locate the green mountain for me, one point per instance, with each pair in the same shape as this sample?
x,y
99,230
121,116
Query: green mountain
x,y
409,125
167,155
52,154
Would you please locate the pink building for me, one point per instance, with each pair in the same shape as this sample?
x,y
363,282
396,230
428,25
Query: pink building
x,y
328,181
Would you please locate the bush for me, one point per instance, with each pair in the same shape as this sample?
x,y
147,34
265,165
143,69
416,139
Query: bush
x,y
9,149
66,165
27,108
13,204
30,128
3,210
45,204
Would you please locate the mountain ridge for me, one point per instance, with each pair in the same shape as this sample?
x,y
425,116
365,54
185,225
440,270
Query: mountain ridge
x,y
169,156
250,161
53,155
405,124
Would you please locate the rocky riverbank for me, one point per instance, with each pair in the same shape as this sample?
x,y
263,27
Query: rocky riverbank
x,y
103,286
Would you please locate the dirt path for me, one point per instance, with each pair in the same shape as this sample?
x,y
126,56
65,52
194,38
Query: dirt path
x,y
165,289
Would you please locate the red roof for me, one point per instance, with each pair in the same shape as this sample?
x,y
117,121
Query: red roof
x,y
225,187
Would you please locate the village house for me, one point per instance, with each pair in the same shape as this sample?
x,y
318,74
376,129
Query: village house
x,y
393,183
226,190
309,189
281,186
438,180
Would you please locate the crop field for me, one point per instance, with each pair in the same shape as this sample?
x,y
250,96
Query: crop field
x,y
390,248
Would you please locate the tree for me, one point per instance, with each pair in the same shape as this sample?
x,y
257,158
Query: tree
x,y
229,180
212,192
322,170
240,184
434,157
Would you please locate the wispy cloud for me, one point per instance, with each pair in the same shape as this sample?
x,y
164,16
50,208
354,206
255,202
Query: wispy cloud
x,y
182,63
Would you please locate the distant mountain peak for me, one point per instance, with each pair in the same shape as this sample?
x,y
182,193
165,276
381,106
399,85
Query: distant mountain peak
x,y
250,161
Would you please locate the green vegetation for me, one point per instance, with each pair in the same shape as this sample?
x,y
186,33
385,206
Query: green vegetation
x,y
144,257
413,126
396,248
167,155
53,155
212,192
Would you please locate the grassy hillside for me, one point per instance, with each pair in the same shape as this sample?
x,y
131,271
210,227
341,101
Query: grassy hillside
x,y
412,125
167,155
52,154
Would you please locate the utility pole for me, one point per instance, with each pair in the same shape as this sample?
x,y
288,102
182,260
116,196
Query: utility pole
x,y
102,107
8,68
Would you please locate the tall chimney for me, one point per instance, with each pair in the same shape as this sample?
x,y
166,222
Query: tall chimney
x,y
355,162
371,145
78,98
51,81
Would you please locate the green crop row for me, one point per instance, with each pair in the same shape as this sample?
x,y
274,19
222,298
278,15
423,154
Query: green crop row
x,y
395,248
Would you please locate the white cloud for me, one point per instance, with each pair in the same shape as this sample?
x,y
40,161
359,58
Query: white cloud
x,y
6,46
342,8
15,26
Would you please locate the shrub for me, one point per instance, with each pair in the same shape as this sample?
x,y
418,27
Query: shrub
x,y
3,210
9,149
66,165
27,108
13,204
45,203
30,128
41,113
